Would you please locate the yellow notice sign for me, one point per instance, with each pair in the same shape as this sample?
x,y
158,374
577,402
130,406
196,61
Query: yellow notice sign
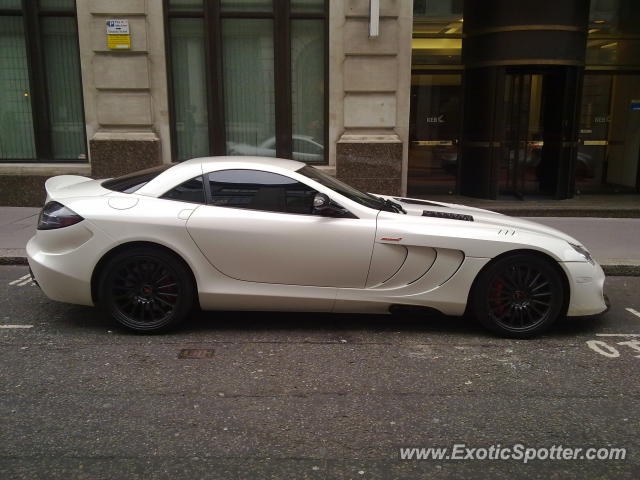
x,y
119,41
118,35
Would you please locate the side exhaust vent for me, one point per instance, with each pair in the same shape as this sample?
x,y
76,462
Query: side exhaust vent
x,y
450,216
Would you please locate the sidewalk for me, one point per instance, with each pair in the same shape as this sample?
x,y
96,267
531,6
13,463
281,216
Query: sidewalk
x,y
614,242
17,226
601,206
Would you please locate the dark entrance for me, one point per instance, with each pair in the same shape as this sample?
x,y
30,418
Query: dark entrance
x,y
524,64
539,141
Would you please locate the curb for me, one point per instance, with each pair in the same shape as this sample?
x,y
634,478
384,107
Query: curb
x,y
566,212
13,261
611,270
625,270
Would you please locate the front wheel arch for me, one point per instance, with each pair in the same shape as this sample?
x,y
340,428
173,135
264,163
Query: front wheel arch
x,y
104,260
552,261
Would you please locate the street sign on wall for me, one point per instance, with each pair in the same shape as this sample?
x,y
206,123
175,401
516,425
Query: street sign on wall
x,y
118,35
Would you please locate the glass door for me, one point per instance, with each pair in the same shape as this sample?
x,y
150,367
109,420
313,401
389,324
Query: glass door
x,y
520,165
434,131
609,134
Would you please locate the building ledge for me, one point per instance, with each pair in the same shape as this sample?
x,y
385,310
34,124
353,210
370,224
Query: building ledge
x,y
369,138
48,169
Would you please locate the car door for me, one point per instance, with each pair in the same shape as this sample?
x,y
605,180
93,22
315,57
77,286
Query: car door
x,y
260,226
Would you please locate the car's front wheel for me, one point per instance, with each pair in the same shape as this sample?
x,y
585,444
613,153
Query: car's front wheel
x,y
147,290
519,296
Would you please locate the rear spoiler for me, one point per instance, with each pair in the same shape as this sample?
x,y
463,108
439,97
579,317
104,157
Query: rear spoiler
x,y
54,184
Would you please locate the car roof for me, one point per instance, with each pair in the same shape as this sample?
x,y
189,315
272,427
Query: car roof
x,y
188,169
248,161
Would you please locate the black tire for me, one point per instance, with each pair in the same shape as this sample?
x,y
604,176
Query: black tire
x,y
519,296
147,290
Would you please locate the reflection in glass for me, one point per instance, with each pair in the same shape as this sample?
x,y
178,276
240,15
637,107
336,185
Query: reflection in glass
x,y
246,5
436,51
612,26
307,89
608,17
609,133
185,5
437,32
189,87
434,127
594,131
258,190
307,6
249,86
16,124
64,88
57,4
10,4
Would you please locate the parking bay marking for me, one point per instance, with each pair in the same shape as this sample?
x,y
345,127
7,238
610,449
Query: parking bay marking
x,y
16,326
23,281
617,334
609,351
20,280
633,312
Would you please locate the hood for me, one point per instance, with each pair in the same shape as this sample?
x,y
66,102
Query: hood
x,y
416,206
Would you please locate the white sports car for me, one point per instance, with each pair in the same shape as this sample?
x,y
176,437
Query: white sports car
x,y
251,233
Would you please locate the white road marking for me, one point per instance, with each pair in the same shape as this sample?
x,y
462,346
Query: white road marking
x,y
634,312
603,349
617,334
26,282
21,279
16,326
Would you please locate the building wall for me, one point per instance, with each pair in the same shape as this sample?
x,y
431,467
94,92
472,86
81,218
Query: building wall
x,y
369,94
127,112
125,91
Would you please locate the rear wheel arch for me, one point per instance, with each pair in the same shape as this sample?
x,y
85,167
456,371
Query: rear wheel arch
x,y
98,271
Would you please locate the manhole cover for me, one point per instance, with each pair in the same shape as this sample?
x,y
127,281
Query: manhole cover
x,y
196,353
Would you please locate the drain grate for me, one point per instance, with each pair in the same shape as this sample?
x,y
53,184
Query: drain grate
x,y
196,353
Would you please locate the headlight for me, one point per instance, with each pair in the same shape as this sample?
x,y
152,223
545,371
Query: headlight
x,y
55,215
584,252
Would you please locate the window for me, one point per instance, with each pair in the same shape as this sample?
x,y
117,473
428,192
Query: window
x,y
191,191
258,190
42,115
437,32
613,33
344,189
608,153
133,181
247,76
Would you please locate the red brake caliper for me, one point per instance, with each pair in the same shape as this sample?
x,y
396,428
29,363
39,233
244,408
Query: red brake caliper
x,y
496,297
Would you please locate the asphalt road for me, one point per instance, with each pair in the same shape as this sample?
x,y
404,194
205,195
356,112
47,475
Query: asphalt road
x,y
308,396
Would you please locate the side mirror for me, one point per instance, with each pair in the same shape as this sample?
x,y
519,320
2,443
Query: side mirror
x,y
323,206
321,201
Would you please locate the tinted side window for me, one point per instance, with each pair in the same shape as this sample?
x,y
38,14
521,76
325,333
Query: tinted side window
x,y
133,181
189,191
258,190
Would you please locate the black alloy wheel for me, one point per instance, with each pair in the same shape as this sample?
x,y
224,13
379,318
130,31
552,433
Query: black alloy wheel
x,y
519,296
147,290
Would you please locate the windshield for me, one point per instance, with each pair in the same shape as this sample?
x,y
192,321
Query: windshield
x,y
348,191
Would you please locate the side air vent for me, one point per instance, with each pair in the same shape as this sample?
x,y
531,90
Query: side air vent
x,y
451,216
418,202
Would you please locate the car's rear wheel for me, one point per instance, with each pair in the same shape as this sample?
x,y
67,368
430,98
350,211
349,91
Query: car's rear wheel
x,y
519,296
147,290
